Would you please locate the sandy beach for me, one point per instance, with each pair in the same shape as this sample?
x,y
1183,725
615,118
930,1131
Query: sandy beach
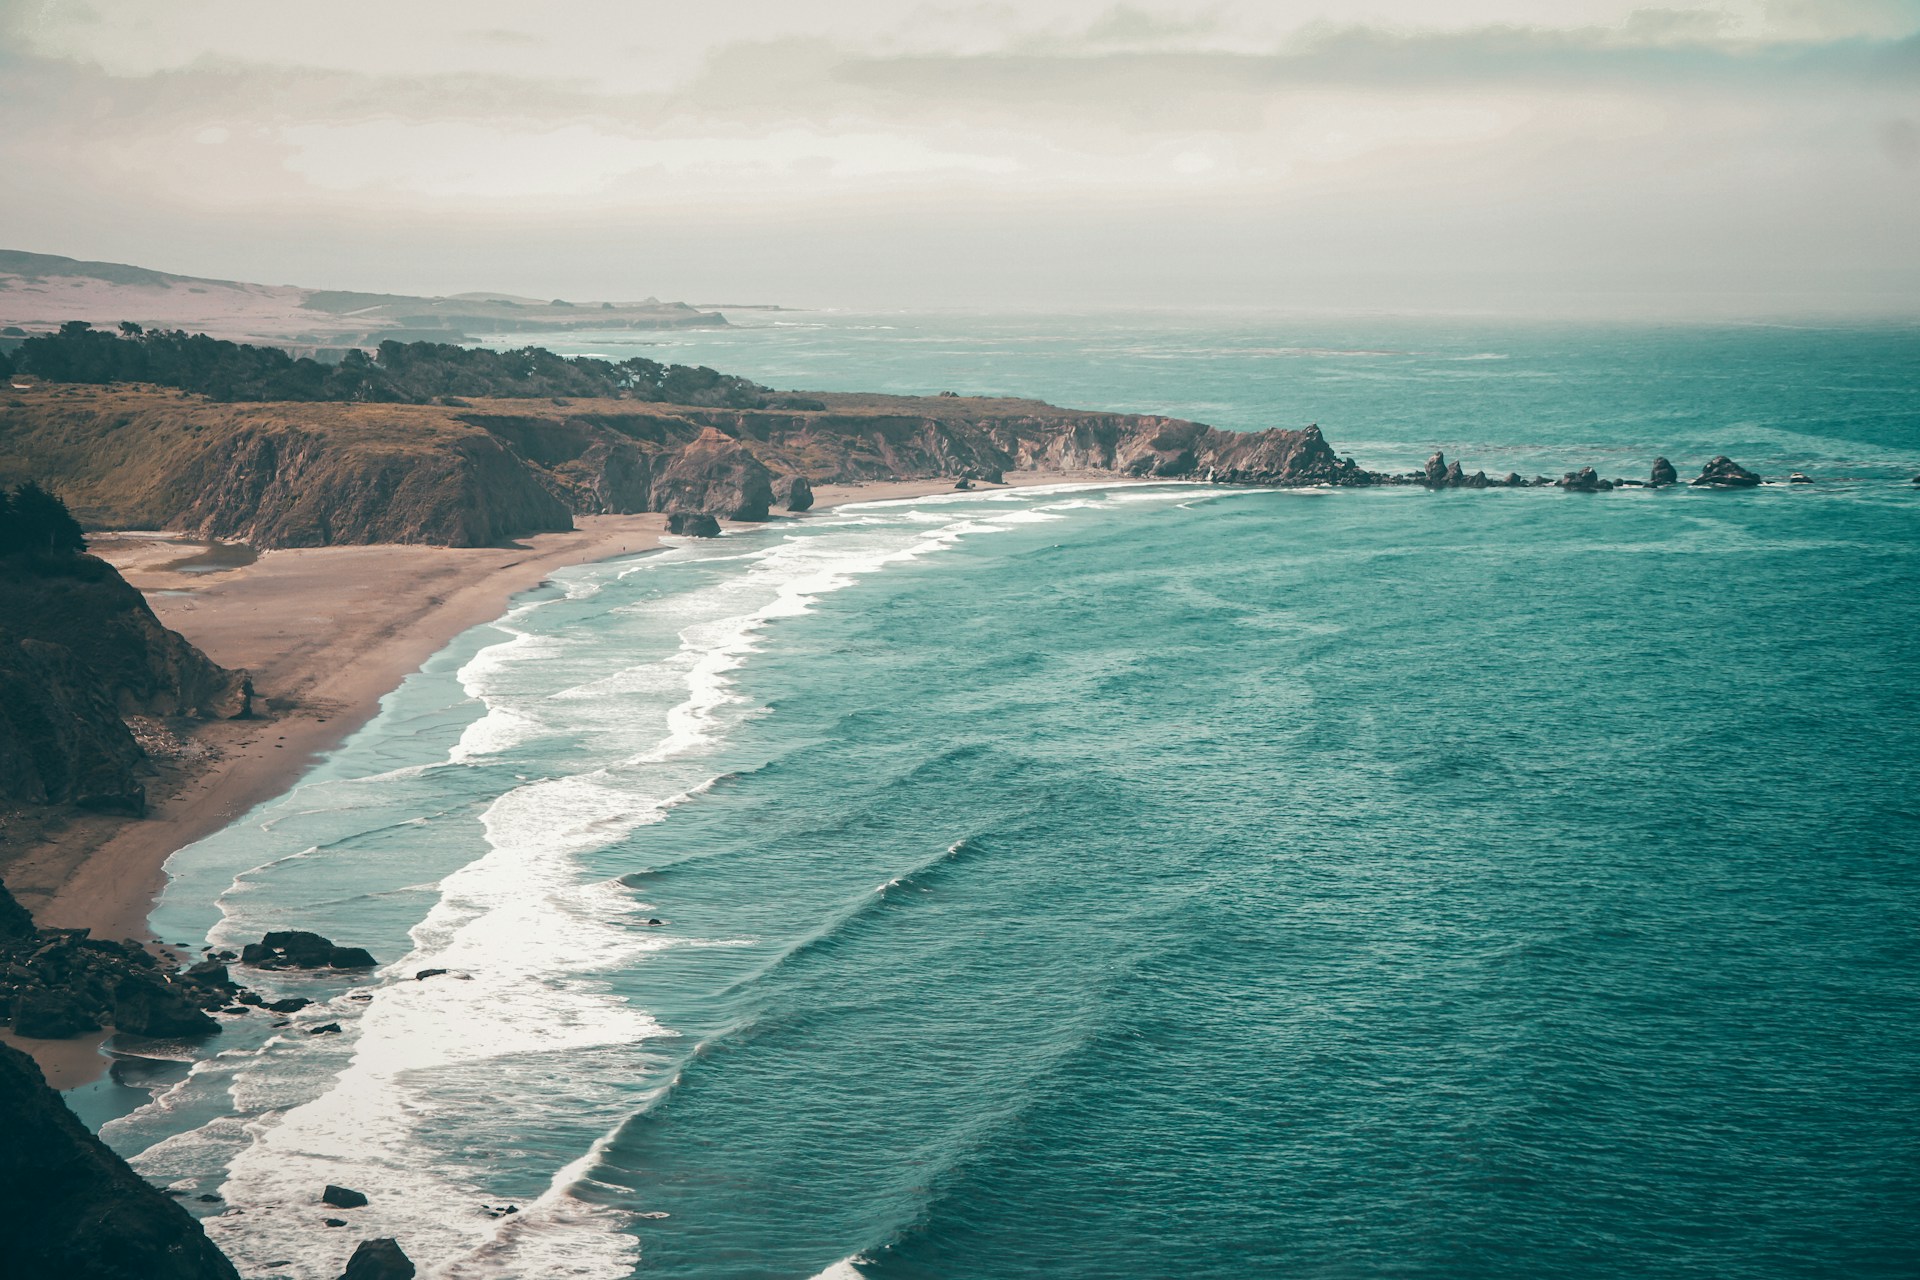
x,y
326,633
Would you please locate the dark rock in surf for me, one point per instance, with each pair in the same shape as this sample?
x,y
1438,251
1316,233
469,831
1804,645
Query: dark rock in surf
x,y
693,525
298,949
1724,473
292,1004
378,1259
343,1197
1585,480
424,974
1663,473
1799,477
325,1029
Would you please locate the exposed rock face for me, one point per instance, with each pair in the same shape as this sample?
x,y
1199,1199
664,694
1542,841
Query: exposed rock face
x,y
1663,473
693,524
718,476
1585,480
298,949
1724,473
343,1197
288,487
80,650
70,1207
378,1259
797,494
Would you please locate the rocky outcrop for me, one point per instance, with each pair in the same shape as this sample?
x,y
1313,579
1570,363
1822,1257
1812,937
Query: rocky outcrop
x,y
56,983
718,476
79,651
1799,477
1724,473
378,1259
1663,473
795,493
70,1207
693,524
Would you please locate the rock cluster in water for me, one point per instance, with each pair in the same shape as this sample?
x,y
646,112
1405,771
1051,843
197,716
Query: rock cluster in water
x,y
298,949
1721,473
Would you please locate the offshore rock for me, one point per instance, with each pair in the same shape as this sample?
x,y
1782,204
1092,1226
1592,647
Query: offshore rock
x,y
70,1207
1724,473
693,524
1799,477
1663,473
378,1259
298,949
343,1197
1437,470
718,476
1585,480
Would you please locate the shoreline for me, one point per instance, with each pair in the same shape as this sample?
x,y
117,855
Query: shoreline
x,y
326,633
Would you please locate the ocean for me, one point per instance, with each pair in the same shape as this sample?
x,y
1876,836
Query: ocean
x,y
1151,880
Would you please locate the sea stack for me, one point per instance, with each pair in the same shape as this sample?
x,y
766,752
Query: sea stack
x,y
1663,473
1724,473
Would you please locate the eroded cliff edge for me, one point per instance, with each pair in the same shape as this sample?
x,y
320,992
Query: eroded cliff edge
x,y
70,1207
486,471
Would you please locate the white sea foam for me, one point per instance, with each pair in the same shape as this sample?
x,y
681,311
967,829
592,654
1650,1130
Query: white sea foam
x,y
512,1032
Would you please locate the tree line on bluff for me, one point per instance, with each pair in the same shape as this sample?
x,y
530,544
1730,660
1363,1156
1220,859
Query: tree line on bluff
x,y
33,521
397,373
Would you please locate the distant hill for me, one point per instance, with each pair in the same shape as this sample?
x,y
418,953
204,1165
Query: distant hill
x,y
40,291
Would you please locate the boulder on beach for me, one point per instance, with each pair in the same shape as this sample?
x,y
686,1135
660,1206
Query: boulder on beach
x,y
1663,473
1724,473
378,1259
796,493
693,524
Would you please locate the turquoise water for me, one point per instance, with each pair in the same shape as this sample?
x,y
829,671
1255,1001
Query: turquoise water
x,y
1144,881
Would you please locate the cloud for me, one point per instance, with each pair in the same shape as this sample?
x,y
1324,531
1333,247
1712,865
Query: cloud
x,y
1694,127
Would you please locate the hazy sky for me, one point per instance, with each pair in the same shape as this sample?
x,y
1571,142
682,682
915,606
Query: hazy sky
x,y
1724,155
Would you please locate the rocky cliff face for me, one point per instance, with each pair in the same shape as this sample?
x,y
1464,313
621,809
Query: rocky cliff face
x,y
293,488
70,1207
80,650
486,472
715,475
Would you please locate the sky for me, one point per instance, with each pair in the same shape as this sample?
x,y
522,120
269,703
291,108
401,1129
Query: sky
x,y
1720,157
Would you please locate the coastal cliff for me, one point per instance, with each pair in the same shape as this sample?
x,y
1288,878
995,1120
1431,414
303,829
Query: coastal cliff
x,y
70,1207
486,471
80,650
